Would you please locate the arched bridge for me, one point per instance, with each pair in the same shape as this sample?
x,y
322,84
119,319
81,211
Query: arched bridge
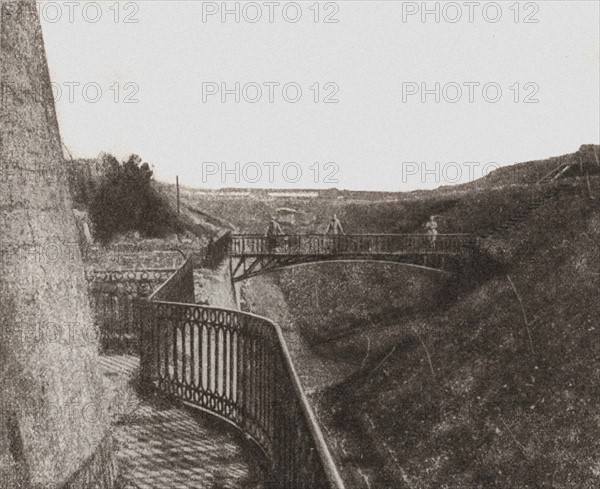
x,y
252,254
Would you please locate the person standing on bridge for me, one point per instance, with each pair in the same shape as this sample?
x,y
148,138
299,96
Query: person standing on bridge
x,y
335,229
273,230
431,227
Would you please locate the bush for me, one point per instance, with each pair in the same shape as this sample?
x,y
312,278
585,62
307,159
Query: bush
x,y
125,200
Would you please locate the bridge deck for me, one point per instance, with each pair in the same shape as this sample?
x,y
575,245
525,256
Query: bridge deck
x,y
162,446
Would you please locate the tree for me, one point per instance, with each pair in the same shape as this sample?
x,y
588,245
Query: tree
x,y
126,200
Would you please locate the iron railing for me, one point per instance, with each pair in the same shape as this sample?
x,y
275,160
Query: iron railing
x,y
236,366
113,295
355,244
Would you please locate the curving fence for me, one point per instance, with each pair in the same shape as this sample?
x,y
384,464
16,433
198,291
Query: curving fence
x,y
113,296
236,366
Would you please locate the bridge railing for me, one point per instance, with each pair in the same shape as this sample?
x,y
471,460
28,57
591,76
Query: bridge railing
x,y
235,365
113,295
352,244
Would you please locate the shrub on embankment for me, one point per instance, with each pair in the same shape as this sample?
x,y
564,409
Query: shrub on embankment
x,y
125,200
121,198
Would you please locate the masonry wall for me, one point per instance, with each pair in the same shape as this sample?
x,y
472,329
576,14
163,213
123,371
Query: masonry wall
x,y
52,415
214,288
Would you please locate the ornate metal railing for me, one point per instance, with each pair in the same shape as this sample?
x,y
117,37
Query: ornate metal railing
x,y
235,365
355,244
113,295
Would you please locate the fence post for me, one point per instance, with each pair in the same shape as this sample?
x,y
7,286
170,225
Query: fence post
x,y
147,343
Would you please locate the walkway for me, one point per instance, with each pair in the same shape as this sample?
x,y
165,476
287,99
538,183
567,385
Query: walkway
x,y
162,446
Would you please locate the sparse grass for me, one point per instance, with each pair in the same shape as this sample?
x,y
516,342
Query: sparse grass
x,y
501,415
495,387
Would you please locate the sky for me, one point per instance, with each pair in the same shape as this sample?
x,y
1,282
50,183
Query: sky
x,y
365,95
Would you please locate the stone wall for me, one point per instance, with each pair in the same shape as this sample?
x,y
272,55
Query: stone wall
x,y
53,417
214,288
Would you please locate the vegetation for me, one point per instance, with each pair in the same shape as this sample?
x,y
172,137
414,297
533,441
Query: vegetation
x,y
492,387
125,200
475,207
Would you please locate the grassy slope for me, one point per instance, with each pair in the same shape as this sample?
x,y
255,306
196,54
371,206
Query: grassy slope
x,y
407,214
492,198
481,396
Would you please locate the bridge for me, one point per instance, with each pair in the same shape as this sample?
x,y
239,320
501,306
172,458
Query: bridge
x,y
251,254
